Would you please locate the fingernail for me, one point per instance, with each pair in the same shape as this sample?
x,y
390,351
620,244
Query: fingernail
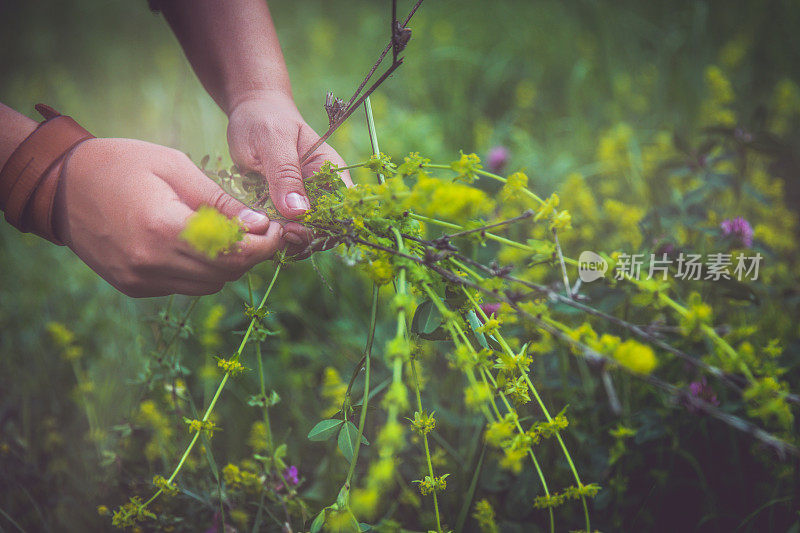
x,y
297,201
250,218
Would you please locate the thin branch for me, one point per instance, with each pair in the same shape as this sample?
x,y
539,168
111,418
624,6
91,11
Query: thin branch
x,y
349,112
525,215
354,102
780,446
567,286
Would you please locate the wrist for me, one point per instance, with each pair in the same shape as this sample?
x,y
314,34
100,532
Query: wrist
x,y
277,98
29,178
16,128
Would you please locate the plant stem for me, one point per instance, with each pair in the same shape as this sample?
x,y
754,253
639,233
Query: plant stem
x,y
495,177
544,409
427,448
217,393
365,402
450,225
373,135
262,384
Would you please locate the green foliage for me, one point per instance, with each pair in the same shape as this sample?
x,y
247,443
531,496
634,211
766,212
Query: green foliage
x,y
593,118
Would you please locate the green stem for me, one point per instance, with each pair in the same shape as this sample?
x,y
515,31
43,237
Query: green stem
x,y
348,167
217,394
181,324
365,401
495,177
539,472
427,448
373,135
484,374
262,384
544,409
490,236
451,324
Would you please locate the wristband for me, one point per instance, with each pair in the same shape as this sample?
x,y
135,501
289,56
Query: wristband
x,y
29,179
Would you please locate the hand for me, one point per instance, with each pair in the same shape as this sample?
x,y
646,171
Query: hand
x,y
266,134
122,204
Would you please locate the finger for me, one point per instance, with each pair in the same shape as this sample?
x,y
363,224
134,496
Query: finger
x,y
308,137
177,258
280,163
194,188
254,249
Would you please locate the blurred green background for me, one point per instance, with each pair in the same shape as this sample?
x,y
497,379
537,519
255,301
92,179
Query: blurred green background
x,y
543,78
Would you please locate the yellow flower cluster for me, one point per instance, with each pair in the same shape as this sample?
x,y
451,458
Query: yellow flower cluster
x,y
715,108
476,395
570,493
333,390
484,515
423,423
64,338
699,313
499,432
207,426
429,484
152,418
230,366
765,400
455,201
210,337
512,188
210,232
636,356
466,166
131,513
490,327
239,478
613,150
166,488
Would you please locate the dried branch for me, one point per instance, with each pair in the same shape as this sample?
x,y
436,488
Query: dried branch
x,y
400,36
781,447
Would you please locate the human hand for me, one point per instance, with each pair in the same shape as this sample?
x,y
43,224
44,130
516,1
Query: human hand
x,y
122,204
267,134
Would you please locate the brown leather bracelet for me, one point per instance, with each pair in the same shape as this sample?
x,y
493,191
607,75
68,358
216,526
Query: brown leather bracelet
x,y
29,179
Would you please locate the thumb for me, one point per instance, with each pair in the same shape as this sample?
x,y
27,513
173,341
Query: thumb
x,y
195,189
281,166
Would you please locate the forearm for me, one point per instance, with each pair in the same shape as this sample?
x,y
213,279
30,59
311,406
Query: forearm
x,y
232,46
14,128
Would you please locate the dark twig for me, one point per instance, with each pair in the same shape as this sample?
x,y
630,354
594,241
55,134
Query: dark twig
x,y
399,38
349,111
392,30
525,215
732,380
780,446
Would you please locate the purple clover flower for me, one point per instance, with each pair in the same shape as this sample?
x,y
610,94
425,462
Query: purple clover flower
x,y
740,229
291,475
497,159
703,391
490,309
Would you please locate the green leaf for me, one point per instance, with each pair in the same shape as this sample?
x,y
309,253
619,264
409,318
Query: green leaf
x,y
474,323
319,521
426,318
347,440
280,453
364,527
324,429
